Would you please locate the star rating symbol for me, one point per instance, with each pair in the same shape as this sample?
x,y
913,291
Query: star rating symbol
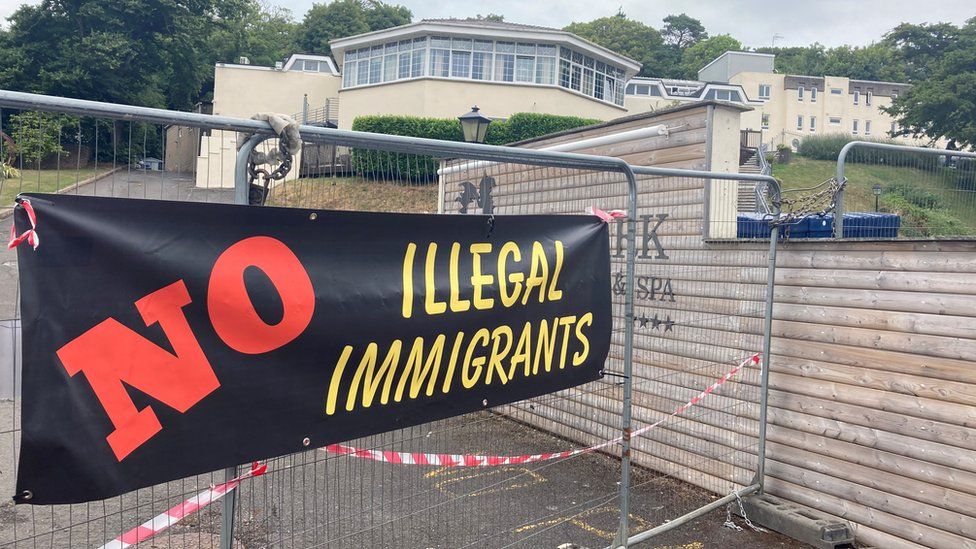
x,y
642,320
669,325
656,322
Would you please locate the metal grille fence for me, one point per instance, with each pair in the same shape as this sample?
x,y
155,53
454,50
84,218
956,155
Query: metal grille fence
x,y
925,192
680,323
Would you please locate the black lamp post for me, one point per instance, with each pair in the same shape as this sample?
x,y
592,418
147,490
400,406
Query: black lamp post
x,y
474,126
876,189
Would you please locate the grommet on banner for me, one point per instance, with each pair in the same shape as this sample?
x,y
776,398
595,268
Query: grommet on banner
x,y
26,495
607,217
306,441
30,235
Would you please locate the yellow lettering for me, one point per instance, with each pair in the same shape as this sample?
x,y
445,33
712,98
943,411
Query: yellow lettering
x,y
510,248
495,360
458,305
433,306
408,279
449,376
580,357
330,403
522,351
555,294
479,280
546,347
538,275
566,323
417,369
370,378
477,363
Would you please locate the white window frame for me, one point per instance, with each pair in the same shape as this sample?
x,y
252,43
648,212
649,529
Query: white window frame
x,y
799,122
867,127
857,97
836,91
831,119
813,124
764,121
799,93
767,88
868,98
813,95
854,126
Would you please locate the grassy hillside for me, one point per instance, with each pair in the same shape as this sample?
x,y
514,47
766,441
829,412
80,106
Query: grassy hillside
x,y
355,193
932,202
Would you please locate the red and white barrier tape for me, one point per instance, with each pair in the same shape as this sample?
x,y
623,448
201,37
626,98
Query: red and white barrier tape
x,y
214,493
30,235
461,460
170,517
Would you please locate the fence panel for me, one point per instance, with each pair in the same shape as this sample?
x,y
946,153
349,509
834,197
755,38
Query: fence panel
x,y
699,312
896,191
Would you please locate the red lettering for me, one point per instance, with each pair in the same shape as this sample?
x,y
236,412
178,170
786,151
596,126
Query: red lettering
x,y
231,311
110,354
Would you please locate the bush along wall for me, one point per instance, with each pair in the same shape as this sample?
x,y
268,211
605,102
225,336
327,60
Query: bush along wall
x,y
423,169
827,147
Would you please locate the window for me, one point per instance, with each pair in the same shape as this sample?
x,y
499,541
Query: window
x,y
525,68
505,67
545,68
439,62
764,90
836,91
348,74
574,83
867,100
834,121
799,122
857,97
813,124
894,96
588,81
813,95
894,128
403,69
481,66
375,70
460,64
417,63
765,121
643,90
854,128
390,68
799,93
867,127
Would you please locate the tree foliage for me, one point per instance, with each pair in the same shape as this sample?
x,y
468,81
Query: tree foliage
x,y
326,22
703,52
625,36
142,52
873,62
263,33
682,31
941,103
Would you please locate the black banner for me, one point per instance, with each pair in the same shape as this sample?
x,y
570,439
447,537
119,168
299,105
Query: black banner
x,y
166,339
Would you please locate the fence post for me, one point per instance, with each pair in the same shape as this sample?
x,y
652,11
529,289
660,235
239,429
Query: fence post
x,y
305,109
623,532
241,188
764,375
839,203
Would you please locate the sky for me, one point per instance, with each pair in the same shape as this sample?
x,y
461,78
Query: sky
x,y
753,22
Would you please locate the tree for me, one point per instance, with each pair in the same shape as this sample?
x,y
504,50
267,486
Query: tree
x,y
141,52
702,53
326,22
264,34
625,36
682,31
941,103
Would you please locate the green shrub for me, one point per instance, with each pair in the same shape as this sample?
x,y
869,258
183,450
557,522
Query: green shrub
x,y
420,168
918,221
916,195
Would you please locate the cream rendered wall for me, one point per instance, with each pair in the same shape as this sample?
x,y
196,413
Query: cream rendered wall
x,y
431,97
783,107
243,91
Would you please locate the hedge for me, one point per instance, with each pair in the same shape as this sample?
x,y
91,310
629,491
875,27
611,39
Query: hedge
x,y
423,169
827,147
